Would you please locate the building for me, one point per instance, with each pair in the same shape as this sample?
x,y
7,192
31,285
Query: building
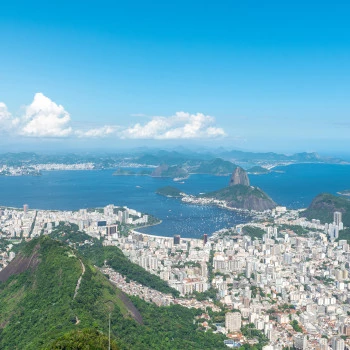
x,y
111,229
337,218
25,208
323,344
300,341
338,343
233,321
177,239
205,238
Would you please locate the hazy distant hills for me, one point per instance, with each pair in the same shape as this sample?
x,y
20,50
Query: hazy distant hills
x,y
156,157
215,166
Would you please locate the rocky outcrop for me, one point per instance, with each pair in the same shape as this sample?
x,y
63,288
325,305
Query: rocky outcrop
x,y
239,177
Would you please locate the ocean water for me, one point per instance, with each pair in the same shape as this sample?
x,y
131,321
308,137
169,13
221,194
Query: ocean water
x,y
293,186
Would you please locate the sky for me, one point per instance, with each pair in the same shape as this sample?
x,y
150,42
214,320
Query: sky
x,y
250,75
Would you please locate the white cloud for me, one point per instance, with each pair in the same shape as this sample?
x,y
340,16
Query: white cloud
x,y
104,131
180,126
44,118
7,122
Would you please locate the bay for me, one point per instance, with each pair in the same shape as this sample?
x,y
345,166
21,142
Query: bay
x,y
293,186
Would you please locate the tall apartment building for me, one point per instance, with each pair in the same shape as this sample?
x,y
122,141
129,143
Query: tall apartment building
x,y
233,321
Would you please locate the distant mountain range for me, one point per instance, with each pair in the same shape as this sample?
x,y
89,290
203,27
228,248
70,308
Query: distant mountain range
x,y
201,162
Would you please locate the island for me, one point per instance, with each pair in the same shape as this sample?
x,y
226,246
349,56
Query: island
x,y
169,191
258,170
174,171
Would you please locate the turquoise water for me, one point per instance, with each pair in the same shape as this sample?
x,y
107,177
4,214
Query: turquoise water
x,y
294,187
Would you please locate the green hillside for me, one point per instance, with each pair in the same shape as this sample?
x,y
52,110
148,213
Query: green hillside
x,y
324,205
39,310
38,305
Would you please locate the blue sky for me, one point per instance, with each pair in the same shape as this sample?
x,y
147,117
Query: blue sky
x,y
239,74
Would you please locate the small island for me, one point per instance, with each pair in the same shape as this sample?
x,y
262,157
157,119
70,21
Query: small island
x,y
169,191
174,171
258,170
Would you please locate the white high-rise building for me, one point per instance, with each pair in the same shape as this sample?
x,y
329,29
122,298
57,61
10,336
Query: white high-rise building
x,y
300,341
338,343
233,321
337,218
323,344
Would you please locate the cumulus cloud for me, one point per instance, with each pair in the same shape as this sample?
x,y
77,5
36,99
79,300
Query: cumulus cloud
x,y
103,131
44,118
180,126
7,122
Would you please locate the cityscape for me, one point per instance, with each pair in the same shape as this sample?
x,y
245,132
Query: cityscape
x,y
174,175
291,283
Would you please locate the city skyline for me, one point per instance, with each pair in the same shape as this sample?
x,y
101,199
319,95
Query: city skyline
x,y
243,76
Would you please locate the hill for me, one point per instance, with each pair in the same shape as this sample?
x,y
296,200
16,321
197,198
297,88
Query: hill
x,y
112,255
46,301
215,166
45,307
239,177
243,197
169,171
324,205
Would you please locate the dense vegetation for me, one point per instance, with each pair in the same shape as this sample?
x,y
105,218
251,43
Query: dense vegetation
x,y
324,205
84,339
41,300
298,230
253,231
345,234
251,332
296,326
38,310
169,191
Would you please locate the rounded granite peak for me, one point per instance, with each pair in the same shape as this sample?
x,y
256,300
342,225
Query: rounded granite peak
x,y
239,177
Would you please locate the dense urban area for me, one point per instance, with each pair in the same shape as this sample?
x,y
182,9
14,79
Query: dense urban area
x,y
281,280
